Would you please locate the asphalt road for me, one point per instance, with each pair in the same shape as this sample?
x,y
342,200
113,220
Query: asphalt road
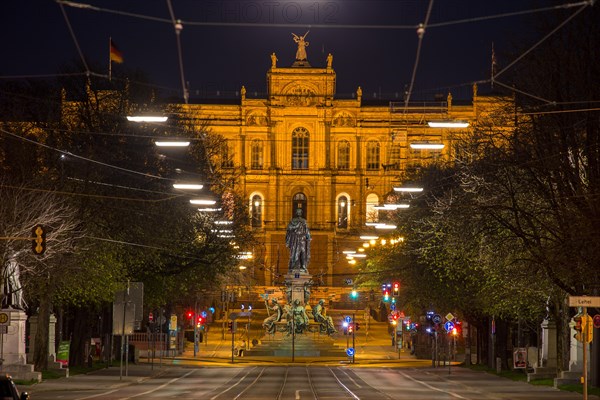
x,y
297,382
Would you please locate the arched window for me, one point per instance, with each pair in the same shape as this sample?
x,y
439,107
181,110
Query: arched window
x,y
343,210
373,151
299,202
227,155
395,157
372,213
300,148
256,154
343,151
256,208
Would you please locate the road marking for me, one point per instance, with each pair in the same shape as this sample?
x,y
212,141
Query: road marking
x,y
234,385
159,387
297,394
353,381
96,395
432,387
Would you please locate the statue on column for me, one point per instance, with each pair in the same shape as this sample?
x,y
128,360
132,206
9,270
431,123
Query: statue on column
x,y
302,44
297,240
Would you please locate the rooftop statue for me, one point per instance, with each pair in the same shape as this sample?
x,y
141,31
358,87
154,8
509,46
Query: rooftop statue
x,y
302,44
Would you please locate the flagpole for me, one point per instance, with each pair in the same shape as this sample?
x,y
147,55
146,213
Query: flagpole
x,y
109,60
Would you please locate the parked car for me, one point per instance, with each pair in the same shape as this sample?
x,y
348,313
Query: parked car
x,y
9,391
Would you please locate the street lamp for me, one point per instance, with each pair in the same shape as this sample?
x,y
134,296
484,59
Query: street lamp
x,y
448,124
427,146
171,143
188,186
147,118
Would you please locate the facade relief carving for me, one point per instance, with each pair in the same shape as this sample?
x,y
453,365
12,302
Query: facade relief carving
x,y
301,96
343,119
257,119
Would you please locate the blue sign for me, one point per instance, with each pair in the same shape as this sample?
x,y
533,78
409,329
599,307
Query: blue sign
x,y
393,306
437,318
348,318
350,351
203,313
448,326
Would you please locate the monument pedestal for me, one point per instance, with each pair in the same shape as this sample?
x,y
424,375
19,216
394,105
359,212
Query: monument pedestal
x,y
12,345
298,286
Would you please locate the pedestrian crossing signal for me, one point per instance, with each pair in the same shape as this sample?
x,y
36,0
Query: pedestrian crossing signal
x,y
38,242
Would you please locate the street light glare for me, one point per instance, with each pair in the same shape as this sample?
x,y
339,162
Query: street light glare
x,y
171,144
427,146
204,202
448,124
188,186
409,189
147,118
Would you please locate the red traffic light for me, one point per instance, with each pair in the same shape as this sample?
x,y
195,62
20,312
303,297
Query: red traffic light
x,y
189,314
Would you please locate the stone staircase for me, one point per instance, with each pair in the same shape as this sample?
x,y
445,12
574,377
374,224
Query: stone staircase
x,y
303,345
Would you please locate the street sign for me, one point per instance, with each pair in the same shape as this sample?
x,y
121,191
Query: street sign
x,y
348,281
3,328
449,317
448,326
596,320
584,301
437,318
350,351
4,318
348,319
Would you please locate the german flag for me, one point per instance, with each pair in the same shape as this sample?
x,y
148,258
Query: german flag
x,y
115,54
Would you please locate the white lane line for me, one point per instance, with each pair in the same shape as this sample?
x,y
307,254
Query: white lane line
x,y
96,395
232,386
352,379
160,387
427,385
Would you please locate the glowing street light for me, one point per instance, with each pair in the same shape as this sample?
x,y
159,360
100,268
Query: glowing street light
x,y
427,146
161,143
448,124
203,202
408,189
187,186
147,118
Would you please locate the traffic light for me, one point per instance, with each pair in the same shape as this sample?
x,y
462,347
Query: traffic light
x,y
578,328
200,320
386,296
38,242
350,329
396,288
356,326
232,326
354,294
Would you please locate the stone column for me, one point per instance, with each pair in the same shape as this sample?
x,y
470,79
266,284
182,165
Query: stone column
x,y
549,356
33,328
13,341
296,282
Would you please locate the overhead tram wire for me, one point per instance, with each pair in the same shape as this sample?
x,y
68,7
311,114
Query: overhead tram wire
x,y
87,68
323,26
420,33
177,25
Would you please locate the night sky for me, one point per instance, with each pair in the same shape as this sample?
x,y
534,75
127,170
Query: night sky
x,y
227,44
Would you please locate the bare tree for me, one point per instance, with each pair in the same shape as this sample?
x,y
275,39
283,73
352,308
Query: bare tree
x,y
22,208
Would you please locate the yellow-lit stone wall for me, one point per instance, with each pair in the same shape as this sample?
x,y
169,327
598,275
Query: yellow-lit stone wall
x,y
301,98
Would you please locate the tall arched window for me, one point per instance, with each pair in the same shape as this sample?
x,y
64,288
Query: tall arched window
x,y
372,213
373,151
395,154
343,161
227,155
343,207
256,207
256,154
299,202
300,148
